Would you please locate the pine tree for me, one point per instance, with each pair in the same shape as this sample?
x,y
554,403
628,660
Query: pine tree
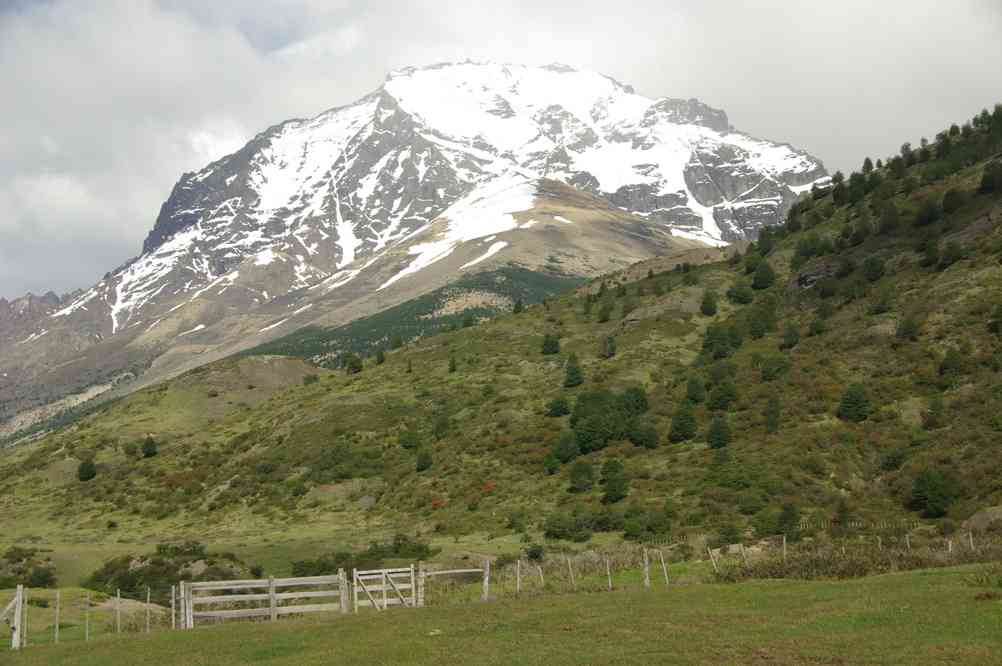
x,y
519,307
558,407
604,312
86,470
772,414
573,375
551,344
615,484
582,476
410,366
608,348
452,364
867,165
789,520
566,449
765,277
855,405
709,305
149,447
719,434
791,337
353,364
380,357
683,423
423,461
695,390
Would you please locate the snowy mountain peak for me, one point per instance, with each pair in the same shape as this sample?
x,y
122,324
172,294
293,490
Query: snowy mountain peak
x,y
389,186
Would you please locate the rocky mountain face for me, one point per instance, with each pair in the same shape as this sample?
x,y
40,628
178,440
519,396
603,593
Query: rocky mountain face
x,y
325,219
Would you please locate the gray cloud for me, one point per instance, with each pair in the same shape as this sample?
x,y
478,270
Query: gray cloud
x,y
107,102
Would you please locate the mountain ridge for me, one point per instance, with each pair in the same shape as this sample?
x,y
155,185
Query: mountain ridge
x,y
394,183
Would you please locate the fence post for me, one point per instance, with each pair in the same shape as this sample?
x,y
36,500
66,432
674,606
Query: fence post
x,y
173,619
713,560
970,537
342,583
354,590
487,580
664,567
15,640
949,546
647,570
386,584
421,580
908,542
24,619
744,556
518,576
880,543
542,583
147,609
55,627
118,611
608,573
570,571
87,617
413,587
272,600
784,548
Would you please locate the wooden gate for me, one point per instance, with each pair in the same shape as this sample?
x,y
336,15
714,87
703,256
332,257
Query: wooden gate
x,y
382,588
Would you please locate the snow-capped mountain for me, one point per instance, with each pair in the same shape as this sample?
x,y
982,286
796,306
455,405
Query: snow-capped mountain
x,y
359,202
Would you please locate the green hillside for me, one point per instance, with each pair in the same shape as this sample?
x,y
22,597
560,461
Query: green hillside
x,y
847,366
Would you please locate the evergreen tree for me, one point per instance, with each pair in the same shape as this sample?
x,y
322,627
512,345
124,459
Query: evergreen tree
x,y
855,404
573,375
380,357
991,179
149,447
582,476
722,395
604,312
550,464
608,347
633,401
683,423
765,277
86,470
873,268
452,364
908,329
789,521
932,418
566,449
952,201
353,364
791,337
615,484
772,414
423,461
551,344
867,165
889,218
709,305
410,366
719,434
644,435
932,493
695,390
558,407
519,307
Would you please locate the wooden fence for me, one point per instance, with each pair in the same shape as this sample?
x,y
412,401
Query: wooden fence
x,y
260,598
15,613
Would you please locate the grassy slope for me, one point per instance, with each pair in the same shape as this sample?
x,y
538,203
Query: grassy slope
x,y
921,617
291,470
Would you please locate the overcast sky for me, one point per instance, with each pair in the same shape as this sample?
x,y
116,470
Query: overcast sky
x,y
106,102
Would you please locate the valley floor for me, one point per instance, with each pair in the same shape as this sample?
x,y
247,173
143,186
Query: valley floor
x,y
923,617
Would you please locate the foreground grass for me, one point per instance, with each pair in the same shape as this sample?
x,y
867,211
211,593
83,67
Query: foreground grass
x,y
919,617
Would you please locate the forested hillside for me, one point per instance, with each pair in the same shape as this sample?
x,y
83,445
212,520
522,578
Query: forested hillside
x,y
847,365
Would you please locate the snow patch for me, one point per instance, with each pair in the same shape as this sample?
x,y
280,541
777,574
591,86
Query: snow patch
x,y
494,249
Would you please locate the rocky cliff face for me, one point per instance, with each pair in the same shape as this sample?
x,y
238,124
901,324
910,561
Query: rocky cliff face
x,y
351,198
